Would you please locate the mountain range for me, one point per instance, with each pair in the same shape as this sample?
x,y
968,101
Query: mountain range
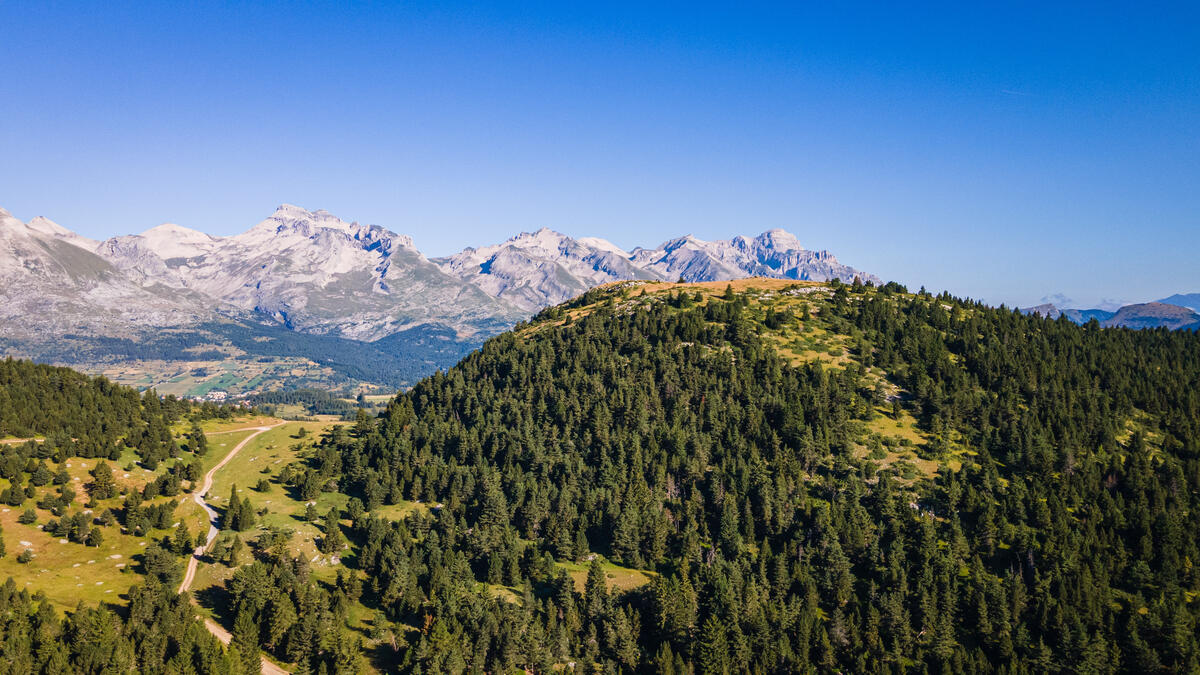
x,y
1166,313
308,285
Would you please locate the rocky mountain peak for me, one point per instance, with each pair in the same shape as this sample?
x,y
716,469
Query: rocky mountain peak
x,y
774,253
43,225
779,239
1045,310
292,225
176,241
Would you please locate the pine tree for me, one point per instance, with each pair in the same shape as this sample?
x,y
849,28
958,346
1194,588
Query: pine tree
x,y
232,515
332,541
713,648
103,486
182,541
197,441
282,618
246,516
236,549
245,639
595,592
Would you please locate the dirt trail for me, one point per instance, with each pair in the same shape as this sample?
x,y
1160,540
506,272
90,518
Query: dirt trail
x,y
268,668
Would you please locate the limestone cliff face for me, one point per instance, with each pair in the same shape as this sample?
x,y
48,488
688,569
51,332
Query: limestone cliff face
x,y
534,270
51,282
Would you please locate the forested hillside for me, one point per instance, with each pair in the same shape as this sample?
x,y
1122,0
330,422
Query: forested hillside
x,y
158,633
92,486
90,416
827,478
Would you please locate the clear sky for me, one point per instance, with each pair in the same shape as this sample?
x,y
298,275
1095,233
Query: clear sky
x,y
998,150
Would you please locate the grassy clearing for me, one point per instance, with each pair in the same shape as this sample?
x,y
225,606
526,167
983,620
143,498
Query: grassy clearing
x,y
619,578
1145,424
810,343
901,440
506,593
899,429
218,426
271,450
69,572
263,458
280,507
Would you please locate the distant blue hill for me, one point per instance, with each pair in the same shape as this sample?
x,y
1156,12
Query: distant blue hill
x,y
1080,316
1189,300
1143,315
1086,315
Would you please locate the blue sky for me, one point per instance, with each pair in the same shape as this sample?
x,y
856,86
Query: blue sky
x,y
1000,151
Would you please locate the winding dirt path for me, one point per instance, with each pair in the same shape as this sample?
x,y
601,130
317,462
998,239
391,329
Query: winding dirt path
x,y
268,667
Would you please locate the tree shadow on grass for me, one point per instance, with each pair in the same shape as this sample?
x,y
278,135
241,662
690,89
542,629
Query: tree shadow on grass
x,y
218,600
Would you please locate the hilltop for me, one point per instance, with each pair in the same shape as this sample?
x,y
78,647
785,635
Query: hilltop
x,y
777,477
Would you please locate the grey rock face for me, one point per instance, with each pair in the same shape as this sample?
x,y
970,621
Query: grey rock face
x,y
775,253
534,270
50,283
312,272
